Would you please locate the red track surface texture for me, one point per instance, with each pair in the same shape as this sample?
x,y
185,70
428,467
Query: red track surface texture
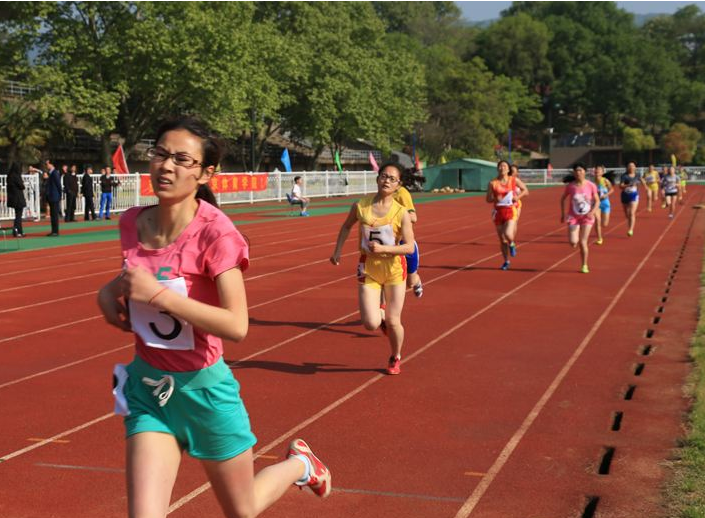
x,y
505,407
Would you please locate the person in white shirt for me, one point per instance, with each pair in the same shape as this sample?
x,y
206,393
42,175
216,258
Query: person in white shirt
x,y
297,197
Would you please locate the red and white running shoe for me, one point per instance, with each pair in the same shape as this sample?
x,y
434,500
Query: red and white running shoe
x,y
394,366
319,479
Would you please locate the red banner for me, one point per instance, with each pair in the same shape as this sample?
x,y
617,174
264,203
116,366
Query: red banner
x,y
119,162
227,182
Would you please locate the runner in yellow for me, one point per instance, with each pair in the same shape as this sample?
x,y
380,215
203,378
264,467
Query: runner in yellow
x,y
413,279
383,223
651,177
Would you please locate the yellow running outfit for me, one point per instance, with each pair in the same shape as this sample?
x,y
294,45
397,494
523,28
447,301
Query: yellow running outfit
x,y
376,270
403,196
652,180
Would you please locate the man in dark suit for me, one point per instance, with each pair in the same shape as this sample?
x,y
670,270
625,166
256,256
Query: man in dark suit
x,y
87,191
53,196
70,179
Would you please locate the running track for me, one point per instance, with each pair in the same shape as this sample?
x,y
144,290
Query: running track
x,y
516,386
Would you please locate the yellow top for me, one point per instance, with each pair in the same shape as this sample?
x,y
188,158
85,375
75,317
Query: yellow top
x,y
403,196
385,230
651,177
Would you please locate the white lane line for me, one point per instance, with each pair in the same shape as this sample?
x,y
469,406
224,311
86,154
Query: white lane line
x,y
513,442
55,437
64,366
291,432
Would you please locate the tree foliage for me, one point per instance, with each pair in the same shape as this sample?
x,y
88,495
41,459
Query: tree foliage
x,y
682,141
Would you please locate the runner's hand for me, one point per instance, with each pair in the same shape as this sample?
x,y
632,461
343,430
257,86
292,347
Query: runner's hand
x,y
138,284
114,311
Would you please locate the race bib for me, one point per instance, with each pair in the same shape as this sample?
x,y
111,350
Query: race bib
x,y
580,205
507,200
384,235
160,329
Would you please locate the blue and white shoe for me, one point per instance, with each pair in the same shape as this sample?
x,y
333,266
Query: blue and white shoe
x,y
505,266
512,249
304,213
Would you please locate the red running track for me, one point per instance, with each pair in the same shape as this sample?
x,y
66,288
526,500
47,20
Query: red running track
x,y
509,394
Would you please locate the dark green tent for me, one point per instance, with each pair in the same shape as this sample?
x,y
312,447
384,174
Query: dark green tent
x,y
471,174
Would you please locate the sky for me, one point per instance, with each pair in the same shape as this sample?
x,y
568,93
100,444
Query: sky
x,y
480,11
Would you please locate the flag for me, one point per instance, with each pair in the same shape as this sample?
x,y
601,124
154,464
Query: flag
x,y
674,161
119,162
417,163
337,161
373,162
549,171
443,159
285,160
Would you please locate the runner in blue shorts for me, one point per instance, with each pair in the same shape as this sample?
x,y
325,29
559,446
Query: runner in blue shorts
x,y
629,183
181,292
604,189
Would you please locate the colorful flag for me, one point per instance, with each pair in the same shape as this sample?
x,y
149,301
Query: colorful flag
x,y
286,161
443,159
674,161
337,161
373,162
417,163
549,171
119,162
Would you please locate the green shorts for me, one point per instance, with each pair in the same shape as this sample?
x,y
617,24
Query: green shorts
x,y
204,411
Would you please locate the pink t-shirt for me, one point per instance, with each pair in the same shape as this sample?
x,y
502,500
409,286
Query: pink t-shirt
x,y
208,246
581,198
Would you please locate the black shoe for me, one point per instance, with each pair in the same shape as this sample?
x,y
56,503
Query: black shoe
x,y
53,234
107,217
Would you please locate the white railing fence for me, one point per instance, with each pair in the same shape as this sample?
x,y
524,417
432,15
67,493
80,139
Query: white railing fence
x,y
317,184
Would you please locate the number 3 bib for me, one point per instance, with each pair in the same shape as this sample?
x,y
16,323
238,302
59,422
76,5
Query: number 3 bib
x,y
160,329
384,235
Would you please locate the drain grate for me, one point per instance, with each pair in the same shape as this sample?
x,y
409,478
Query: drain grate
x,y
590,507
629,393
606,462
639,369
646,350
617,421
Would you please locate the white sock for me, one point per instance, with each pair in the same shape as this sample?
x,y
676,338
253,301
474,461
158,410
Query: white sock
x,y
307,472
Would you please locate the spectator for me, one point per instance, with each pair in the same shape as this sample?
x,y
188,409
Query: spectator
x,y
15,198
107,184
297,197
71,190
53,193
87,192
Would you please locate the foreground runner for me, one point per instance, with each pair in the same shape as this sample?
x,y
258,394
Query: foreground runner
x,y
672,189
604,189
629,183
502,192
383,224
582,207
183,285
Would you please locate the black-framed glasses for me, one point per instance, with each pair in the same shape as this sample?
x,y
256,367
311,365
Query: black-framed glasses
x,y
159,154
391,179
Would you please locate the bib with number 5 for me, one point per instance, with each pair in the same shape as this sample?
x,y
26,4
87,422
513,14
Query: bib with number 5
x,y
384,235
160,329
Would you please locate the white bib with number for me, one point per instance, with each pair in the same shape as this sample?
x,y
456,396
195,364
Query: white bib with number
x,y
384,235
507,200
160,329
581,205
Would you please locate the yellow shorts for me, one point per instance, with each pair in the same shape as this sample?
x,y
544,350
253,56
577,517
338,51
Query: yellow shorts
x,y
376,272
653,186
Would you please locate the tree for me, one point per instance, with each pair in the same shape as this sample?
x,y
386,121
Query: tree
x,y
23,131
681,141
517,46
354,85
